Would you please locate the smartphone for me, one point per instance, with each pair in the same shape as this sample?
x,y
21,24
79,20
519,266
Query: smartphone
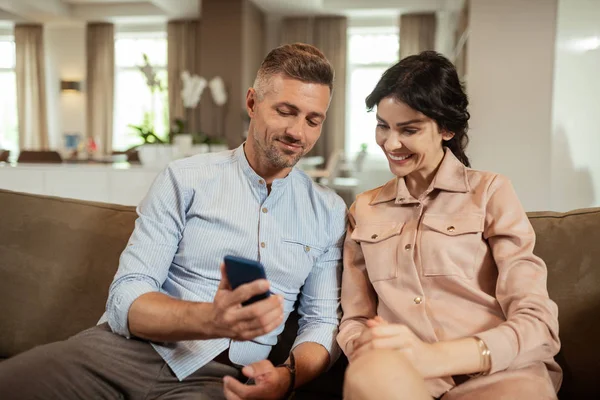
x,y
242,270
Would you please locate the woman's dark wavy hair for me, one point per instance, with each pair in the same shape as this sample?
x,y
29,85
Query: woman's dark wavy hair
x,y
428,82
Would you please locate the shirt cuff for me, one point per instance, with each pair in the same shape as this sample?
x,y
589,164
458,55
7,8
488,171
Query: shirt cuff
x,y
501,341
349,332
325,336
120,302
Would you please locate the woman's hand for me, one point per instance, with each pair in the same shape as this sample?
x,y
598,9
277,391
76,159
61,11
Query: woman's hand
x,y
383,335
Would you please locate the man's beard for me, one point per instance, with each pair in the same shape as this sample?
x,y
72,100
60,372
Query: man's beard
x,y
279,158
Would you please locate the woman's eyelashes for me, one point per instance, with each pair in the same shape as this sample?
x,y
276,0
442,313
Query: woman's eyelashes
x,y
406,131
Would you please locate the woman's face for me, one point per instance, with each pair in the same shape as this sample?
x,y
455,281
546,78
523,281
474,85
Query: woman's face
x,y
410,140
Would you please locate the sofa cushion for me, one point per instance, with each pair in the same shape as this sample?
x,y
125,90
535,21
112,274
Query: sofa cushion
x,y
570,245
57,260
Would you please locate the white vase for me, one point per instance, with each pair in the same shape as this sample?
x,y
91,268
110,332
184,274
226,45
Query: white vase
x,y
156,155
183,145
215,148
199,149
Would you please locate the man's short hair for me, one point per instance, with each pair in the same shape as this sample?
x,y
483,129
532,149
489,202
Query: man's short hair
x,y
298,61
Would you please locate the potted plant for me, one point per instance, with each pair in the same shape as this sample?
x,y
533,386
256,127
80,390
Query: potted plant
x,y
154,150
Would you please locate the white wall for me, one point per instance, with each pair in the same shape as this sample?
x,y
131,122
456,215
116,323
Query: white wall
x,y
509,80
65,60
576,112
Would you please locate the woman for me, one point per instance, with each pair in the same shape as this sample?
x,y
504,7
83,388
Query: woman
x,y
438,262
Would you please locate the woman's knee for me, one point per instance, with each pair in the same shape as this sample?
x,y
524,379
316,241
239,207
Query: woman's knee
x,y
382,374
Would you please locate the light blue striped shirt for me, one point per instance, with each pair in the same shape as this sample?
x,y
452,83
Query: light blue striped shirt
x,y
200,209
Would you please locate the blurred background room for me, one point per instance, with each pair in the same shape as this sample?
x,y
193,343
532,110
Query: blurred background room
x,y
96,96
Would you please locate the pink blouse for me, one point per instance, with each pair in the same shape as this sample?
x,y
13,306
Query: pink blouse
x,y
455,263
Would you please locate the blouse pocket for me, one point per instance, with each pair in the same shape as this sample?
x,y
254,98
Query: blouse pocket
x,y
379,244
450,244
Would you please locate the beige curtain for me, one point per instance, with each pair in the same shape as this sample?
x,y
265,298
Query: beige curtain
x,y
329,34
31,87
183,55
417,33
100,42
299,29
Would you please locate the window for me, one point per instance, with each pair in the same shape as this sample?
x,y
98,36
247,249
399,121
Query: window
x,y
370,52
9,133
135,103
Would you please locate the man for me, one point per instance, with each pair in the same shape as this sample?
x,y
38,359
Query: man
x,y
173,327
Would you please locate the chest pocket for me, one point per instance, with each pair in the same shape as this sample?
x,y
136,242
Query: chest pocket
x,y
379,244
301,253
450,244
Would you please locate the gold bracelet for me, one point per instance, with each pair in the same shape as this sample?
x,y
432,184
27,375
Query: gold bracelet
x,y
486,359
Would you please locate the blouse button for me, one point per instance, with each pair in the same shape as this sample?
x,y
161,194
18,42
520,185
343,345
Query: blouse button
x,y
451,228
418,300
374,236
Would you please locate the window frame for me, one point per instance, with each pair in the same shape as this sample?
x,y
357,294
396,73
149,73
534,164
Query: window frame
x,y
159,69
351,67
4,37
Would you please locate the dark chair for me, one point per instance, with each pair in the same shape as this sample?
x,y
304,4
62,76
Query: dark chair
x,y
132,154
4,154
46,156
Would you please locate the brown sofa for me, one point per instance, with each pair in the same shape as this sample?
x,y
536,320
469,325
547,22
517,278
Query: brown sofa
x,y
58,257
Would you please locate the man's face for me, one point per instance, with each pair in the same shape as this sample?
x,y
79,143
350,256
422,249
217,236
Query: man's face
x,y
287,121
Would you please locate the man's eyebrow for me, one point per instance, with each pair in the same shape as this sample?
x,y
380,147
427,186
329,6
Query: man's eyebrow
x,y
288,105
297,109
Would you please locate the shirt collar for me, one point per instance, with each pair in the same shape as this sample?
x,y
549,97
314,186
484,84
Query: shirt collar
x,y
251,174
451,177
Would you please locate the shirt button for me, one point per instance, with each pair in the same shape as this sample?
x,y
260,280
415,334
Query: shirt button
x,y
408,247
261,182
307,248
264,210
418,300
263,244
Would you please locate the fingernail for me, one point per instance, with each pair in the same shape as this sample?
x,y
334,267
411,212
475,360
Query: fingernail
x,y
249,370
264,285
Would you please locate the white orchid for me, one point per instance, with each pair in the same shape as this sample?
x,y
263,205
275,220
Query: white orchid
x,y
150,74
217,89
193,86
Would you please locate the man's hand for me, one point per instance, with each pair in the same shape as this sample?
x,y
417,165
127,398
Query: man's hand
x,y
383,335
231,320
270,383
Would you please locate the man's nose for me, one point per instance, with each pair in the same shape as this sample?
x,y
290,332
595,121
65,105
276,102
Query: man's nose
x,y
296,129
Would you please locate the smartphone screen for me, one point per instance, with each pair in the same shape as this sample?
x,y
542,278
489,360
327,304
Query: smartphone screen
x,y
241,271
